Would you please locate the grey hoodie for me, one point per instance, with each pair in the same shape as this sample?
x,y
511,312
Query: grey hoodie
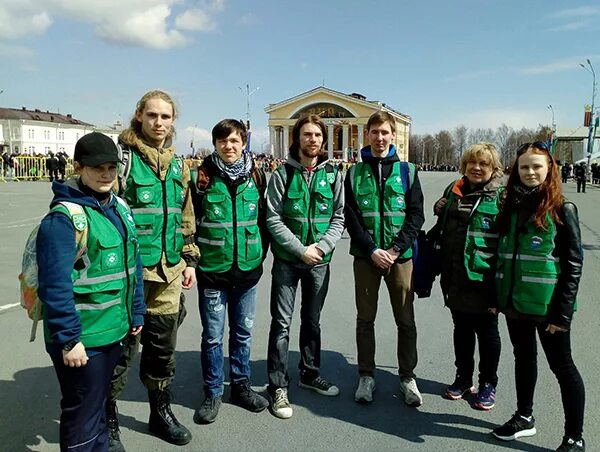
x,y
280,233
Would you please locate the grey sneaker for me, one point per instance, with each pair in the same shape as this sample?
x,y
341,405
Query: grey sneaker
x,y
364,392
412,396
280,405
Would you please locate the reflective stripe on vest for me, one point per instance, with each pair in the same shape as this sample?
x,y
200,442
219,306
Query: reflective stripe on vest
x,y
150,200
229,228
382,224
306,211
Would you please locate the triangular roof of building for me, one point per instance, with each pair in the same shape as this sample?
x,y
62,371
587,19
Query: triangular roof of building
x,y
38,115
354,97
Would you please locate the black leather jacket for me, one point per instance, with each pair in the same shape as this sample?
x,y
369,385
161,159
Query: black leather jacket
x,y
570,251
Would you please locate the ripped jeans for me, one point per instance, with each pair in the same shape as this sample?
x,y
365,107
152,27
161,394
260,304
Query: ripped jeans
x,y
240,305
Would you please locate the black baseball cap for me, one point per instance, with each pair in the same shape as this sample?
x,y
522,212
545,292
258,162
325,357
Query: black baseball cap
x,y
95,148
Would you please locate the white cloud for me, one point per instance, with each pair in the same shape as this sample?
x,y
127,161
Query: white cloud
x,y
571,26
248,19
145,23
195,20
582,11
561,65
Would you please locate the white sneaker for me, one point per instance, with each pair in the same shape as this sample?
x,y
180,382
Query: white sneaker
x,y
412,396
364,392
281,405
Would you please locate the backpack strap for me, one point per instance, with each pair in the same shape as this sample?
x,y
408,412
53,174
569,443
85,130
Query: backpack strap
x,y
407,174
124,167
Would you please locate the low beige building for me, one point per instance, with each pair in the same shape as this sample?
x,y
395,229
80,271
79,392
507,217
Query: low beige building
x,y
345,115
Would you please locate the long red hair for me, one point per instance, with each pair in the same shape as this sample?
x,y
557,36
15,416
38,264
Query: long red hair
x,y
551,197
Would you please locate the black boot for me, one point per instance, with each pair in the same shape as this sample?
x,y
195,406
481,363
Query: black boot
x,y
114,434
163,422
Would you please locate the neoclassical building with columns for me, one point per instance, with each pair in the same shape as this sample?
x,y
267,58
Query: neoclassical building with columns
x,y
345,115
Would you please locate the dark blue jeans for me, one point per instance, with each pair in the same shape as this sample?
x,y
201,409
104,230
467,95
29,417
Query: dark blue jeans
x,y
315,282
84,389
557,348
240,306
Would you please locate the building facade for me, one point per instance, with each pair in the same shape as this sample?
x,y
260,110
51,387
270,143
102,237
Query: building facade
x,y
34,132
345,115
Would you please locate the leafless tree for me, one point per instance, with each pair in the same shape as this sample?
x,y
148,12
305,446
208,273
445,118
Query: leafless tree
x,y
459,136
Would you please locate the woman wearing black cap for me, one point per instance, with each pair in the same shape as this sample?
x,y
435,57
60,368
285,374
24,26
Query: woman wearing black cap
x,y
90,285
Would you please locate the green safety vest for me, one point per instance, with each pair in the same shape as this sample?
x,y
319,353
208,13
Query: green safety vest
x,y
481,243
228,228
382,214
156,207
307,211
527,272
105,283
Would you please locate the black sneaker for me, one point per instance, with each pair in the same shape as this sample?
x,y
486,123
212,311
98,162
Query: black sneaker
x,y
208,411
320,386
517,427
459,390
244,396
569,444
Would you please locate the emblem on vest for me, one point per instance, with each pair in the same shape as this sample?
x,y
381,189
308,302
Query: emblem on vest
x,y
331,178
79,221
251,208
400,202
398,179
323,207
536,243
322,183
296,206
217,211
111,260
486,223
146,195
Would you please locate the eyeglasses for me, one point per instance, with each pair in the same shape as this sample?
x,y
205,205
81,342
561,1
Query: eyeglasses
x,y
536,144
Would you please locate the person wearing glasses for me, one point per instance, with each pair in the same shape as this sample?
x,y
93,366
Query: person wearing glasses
x,y
467,214
540,261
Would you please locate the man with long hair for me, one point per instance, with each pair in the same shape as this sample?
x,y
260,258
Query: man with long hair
x,y
155,184
305,203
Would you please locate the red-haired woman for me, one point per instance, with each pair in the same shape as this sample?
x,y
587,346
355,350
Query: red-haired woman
x,y
539,267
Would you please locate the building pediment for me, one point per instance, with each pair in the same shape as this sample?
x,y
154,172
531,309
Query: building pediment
x,y
325,102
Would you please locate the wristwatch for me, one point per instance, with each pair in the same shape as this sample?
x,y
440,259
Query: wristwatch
x,y
396,248
70,345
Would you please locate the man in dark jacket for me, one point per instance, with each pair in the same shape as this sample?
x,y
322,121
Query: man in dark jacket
x,y
384,213
52,167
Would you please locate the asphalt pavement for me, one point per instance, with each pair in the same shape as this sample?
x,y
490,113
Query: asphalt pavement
x,y
29,392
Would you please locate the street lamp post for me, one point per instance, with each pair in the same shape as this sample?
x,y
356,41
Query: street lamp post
x,y
248,94
553,123
590,148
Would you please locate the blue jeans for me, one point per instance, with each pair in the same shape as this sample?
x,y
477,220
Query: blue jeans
x,y
241,308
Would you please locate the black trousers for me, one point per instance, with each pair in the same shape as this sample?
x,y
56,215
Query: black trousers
x,y
557,348
484,327
581,185
84,389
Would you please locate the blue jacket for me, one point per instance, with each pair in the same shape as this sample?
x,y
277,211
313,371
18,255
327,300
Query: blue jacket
x,y
56,248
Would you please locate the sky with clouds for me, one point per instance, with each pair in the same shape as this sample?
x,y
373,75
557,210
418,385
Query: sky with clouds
x,y
479,63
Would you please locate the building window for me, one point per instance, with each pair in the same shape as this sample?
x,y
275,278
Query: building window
x,y
31,149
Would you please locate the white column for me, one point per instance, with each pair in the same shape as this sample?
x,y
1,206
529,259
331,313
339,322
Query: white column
x,y
286,141
345,142
361,131
330,141
271,139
